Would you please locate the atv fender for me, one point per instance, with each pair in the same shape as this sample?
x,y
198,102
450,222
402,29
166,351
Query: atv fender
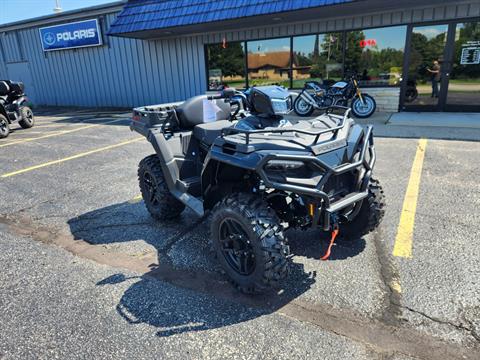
x,y
171,171
221,174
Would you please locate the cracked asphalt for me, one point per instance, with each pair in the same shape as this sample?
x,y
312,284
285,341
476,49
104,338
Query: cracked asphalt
x,y
87,273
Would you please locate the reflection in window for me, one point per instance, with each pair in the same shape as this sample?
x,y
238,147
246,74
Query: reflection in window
x,y
269,62
426,55
464,82
376,55
318,58
226,65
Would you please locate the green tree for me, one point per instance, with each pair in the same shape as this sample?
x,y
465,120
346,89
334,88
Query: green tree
x,y
230,60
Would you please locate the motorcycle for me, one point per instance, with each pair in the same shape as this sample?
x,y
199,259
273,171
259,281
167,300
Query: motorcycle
x,y
316,96
411,92
13,107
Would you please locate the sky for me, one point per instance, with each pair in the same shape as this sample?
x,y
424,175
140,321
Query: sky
x,y
389,37
17,10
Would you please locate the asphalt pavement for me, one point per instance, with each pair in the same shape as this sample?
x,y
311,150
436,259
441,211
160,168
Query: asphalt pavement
x,y
87,273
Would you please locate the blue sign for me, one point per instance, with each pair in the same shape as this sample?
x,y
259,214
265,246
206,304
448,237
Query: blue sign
x,y
72,35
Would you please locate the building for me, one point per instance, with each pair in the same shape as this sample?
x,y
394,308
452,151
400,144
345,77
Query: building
x,y
139,52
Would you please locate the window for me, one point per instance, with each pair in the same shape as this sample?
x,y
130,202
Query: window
x,y
376,55
269,62
226,65
317,57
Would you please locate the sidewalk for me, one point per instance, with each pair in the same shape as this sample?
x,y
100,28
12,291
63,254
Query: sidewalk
x,y
438,119
446,126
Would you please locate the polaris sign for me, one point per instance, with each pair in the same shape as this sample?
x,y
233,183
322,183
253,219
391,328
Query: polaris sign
x,y
72,35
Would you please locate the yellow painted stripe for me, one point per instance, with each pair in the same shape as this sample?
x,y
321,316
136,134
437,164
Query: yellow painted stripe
x,y
135,200
404,240
69,158
57,133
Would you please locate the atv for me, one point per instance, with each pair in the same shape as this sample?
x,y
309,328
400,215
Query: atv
x,y
258,173
13,107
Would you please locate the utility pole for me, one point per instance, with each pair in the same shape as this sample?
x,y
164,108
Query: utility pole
x,y
58,8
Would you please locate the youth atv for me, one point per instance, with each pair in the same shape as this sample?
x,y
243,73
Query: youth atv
x,y
13,107
258,173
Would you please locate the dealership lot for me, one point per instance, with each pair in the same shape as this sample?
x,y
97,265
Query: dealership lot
x,y
88,273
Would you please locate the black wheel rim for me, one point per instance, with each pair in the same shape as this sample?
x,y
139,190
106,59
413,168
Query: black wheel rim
x,y
150,188
29,116
236,247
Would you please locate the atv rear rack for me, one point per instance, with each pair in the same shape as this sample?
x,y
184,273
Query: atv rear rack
x,y
317,134
326,205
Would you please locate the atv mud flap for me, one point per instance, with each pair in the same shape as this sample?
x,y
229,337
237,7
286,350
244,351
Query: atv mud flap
x,y
328,207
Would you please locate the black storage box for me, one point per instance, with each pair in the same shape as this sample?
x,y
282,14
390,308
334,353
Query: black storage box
x,y
17,87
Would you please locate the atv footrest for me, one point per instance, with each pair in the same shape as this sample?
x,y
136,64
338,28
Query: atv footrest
x,y
348,200
191,185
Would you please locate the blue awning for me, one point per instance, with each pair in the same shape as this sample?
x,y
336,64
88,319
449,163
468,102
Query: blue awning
x,y
153,15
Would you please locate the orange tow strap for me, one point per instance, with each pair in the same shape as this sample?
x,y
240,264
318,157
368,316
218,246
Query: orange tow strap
x,y
332,241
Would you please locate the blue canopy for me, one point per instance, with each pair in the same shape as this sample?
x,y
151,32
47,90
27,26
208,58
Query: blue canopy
x,y
148,15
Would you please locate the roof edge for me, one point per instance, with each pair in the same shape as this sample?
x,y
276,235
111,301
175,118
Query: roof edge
x,y
64,16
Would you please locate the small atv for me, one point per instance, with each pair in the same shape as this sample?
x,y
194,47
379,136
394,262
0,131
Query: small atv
x,y
13,107
258,173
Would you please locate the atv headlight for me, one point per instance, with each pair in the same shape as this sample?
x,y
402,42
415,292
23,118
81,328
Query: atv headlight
x,y
283,165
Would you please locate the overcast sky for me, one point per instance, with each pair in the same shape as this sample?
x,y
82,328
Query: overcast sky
x,y
16,10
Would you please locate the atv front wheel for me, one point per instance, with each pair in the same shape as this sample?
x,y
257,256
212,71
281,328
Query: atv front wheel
x,y
4,127
27,117
369,216
249,243
160,203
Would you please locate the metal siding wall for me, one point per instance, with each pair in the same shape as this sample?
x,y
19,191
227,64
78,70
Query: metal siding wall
x,y
122,73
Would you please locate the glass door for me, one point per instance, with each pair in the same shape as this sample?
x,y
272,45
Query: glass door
x,y
464,77
424,86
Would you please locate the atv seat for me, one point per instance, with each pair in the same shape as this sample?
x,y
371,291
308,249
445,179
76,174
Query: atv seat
x,y
208,132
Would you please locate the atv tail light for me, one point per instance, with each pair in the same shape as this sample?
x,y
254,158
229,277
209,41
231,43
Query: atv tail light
x,y
284,165
136,117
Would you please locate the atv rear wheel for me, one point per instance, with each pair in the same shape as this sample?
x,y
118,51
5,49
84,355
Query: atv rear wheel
x,y
27,117
4,127
369,216
249,242
160,203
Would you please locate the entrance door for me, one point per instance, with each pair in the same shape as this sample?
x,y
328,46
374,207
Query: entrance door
x,y
443,68
464,78
20,71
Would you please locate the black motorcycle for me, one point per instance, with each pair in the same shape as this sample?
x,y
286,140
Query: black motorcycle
x,y
316,96
411,92
13,107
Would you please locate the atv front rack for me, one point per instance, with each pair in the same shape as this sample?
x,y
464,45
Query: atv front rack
x,y
327,207
316,134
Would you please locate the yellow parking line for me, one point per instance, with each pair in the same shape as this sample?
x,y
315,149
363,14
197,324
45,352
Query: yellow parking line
x,y
135,200
69,158
404,239
57,133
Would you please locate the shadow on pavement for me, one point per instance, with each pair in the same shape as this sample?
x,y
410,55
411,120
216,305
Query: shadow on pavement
x,y
189,298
